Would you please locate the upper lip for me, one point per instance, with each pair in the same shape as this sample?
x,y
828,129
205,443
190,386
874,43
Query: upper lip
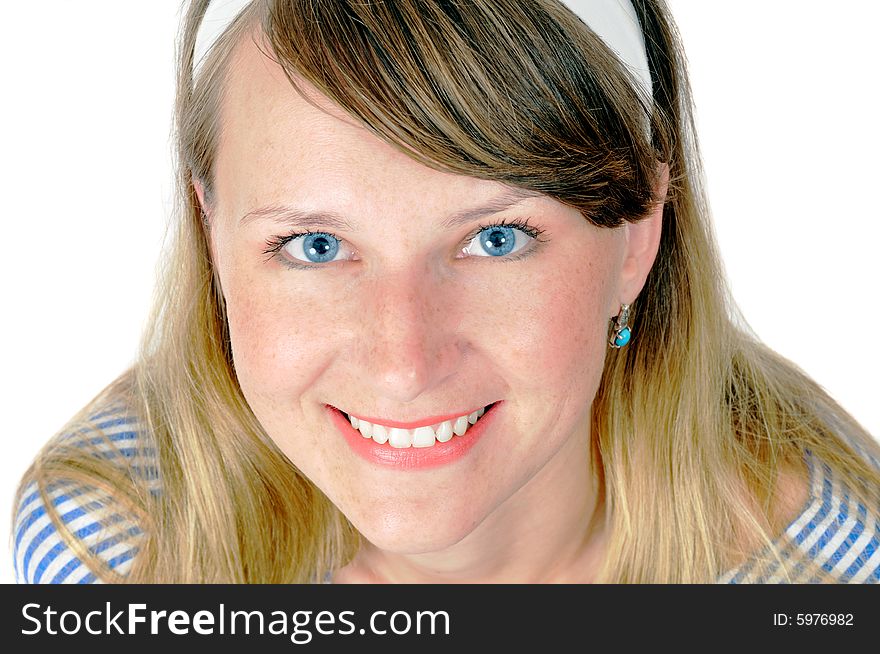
x,y
414,424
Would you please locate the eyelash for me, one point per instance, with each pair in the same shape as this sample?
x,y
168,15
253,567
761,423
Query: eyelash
x,y
275,244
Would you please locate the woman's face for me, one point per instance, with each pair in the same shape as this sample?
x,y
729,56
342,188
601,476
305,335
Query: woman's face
x,y
409,317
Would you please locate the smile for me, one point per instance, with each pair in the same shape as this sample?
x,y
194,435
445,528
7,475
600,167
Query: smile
x,y
409,446
422,436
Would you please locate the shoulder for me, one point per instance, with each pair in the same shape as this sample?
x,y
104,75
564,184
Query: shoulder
x,y
834,537
56,531
838,530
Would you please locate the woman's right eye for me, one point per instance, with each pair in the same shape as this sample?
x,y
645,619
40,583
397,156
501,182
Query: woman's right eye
x,y
317,247
310,248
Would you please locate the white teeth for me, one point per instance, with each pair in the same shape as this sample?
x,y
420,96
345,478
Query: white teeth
x,y
420,437
400,437
423,437
444,431
380,434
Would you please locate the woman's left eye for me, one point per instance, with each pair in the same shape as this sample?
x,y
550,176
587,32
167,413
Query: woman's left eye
x,y
500,240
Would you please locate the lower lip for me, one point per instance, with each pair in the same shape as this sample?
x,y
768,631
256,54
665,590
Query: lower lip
x,y
413,458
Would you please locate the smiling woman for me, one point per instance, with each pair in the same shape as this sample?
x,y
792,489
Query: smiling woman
x,y
439,265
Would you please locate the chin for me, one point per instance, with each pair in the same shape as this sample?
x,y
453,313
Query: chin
x,y
414,532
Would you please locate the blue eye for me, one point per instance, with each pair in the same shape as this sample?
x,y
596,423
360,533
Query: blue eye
x,y
497,241
312,248
317,247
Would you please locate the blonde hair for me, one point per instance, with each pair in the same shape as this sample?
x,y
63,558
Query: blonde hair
x,y
694,421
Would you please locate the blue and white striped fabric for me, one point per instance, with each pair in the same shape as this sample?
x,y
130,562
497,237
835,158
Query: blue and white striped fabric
x,y
40,555
833,530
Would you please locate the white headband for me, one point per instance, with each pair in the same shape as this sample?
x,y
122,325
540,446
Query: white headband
x,y
614,21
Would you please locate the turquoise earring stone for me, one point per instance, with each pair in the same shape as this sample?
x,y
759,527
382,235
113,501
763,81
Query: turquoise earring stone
x,y
622,337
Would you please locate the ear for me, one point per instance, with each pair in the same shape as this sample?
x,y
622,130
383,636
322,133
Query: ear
x,y
642,243
200,193
206,216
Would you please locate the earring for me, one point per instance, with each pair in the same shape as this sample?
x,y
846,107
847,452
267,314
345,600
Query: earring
x,y
620,331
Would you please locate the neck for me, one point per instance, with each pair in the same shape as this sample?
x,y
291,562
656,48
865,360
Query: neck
x,y
550,531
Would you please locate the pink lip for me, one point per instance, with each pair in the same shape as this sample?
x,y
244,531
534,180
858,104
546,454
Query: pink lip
x,y
412,458
425,422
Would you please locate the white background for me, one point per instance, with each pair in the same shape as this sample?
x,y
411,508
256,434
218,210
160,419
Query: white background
x,y
786,97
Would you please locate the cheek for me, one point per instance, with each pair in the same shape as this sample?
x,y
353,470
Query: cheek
x,y
573,318
559,326
279,344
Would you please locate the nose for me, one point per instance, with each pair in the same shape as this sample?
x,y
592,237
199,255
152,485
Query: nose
x,y
409,341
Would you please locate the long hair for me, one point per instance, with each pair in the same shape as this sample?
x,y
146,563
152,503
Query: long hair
x,y
695,421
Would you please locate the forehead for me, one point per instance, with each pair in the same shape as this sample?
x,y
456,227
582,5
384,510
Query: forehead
x,y
275,145
264,119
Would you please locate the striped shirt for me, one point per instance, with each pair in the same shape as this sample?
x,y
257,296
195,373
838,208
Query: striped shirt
x,y
833,530
40,555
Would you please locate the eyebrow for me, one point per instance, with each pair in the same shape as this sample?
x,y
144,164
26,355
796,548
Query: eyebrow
x,y
294,217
